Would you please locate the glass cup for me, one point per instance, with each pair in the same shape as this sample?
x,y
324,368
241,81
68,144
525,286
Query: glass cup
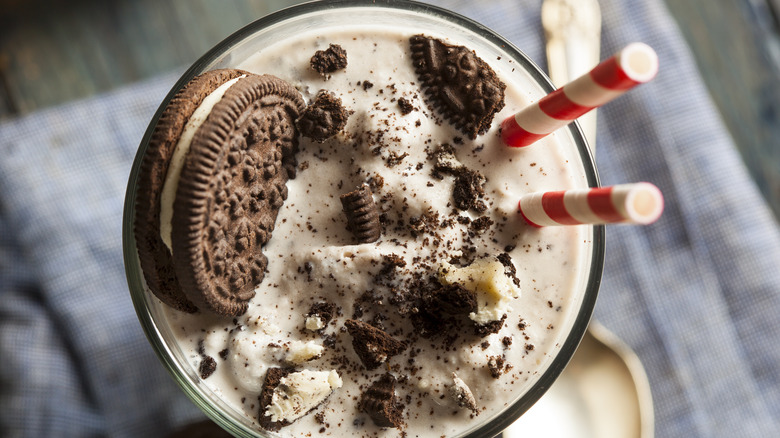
x,y
288,23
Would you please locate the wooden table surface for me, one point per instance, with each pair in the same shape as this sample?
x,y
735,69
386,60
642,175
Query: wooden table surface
x,y
54,51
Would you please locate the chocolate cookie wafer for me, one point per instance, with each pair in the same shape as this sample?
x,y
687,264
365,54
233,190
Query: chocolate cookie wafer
x,y
154,254
459,85
218,187
231,188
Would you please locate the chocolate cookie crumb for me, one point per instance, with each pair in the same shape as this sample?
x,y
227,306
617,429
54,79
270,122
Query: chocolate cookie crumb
x,y
329,60
444,159
481,224
381,404
509,268
207,367
373,346
496,366
469,187
324,310
405,106
272,379
489,328
451,299
323,118
362,214
367,85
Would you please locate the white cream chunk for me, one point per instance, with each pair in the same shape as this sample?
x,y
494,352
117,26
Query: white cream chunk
x,y
300,392
487,279
180,153
251,351
314,323
299,352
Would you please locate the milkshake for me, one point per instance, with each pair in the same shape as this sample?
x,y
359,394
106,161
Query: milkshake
x,y
402,295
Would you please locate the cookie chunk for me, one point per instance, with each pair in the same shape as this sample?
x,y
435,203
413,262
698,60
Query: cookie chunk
x,y
458,85
287,396
320,314
381,404
468,189
272,379
330,60
323,118
373,346
362,214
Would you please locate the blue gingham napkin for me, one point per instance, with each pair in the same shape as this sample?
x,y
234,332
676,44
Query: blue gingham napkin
x,y
697,294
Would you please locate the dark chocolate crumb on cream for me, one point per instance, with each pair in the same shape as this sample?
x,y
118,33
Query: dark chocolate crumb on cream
x,y
469,188
381,404
405,106
207,367
372,345
330,60
324,311
323,118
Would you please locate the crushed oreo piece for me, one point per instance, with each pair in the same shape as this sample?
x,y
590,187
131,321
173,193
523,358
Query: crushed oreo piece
x,y
372,345
469,187
462,394
323,118
207,367
367,85
329,60
489,328
427,222
324,311
459,85
389,264
405,106
272,379
362,214
444,159
481,224
496,366
509,268
381,404
451,299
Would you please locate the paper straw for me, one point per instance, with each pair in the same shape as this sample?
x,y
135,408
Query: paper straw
x,y
637,63
638,203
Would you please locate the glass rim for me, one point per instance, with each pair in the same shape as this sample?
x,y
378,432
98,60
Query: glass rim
x,y
135,276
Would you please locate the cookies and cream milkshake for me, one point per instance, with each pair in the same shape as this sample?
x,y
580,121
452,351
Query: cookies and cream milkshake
x,y
402,293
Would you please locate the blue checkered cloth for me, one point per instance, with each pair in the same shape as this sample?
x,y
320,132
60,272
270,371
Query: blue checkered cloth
x,y
697,294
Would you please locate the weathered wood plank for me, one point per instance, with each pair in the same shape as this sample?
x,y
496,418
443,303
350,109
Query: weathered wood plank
x,y
55,51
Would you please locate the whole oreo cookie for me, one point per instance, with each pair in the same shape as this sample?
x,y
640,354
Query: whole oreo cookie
x,y
457,84
211,185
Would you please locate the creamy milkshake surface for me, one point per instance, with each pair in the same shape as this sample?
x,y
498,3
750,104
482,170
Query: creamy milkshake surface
x,y
449,376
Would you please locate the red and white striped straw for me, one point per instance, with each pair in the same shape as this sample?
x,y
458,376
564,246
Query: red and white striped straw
x,y
638,203
637,63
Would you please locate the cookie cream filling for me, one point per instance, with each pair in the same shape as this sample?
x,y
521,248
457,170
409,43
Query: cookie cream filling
x,y
298,393
180,152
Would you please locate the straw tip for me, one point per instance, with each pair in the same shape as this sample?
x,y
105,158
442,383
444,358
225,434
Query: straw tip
x,y
639,61
644,203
